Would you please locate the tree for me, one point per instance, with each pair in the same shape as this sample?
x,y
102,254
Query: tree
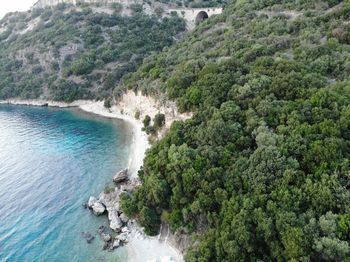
x,y
159,121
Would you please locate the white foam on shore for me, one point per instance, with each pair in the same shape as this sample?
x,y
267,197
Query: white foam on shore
x,y
140,248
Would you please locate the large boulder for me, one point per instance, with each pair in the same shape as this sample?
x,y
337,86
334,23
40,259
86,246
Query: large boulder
x,y
121,176
97,207
106,237
124,218
92,201
115,222
116,243
123,237
110,200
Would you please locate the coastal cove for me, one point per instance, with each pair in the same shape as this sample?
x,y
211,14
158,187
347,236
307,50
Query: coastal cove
x,y
135,143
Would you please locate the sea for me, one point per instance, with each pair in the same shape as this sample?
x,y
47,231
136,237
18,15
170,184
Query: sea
x,y
51,161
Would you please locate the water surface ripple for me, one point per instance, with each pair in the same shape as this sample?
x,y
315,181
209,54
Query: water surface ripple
x,y
51,161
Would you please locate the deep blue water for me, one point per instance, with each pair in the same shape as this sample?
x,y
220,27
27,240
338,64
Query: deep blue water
x,y
51,161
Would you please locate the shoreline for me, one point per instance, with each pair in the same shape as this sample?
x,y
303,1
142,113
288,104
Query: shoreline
x,y
140,247
139,143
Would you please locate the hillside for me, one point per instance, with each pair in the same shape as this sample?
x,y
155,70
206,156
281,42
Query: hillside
x,y
261,171
178,3
78,52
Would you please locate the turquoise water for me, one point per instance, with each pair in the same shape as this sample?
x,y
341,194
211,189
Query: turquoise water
x,y
51,161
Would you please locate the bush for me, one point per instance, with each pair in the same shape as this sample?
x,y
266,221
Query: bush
x,y
146,121
108,103
159,121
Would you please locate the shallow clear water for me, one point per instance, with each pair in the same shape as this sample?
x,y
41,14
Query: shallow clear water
x,y
51,161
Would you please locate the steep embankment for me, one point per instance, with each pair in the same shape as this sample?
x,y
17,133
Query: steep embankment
x,y
261,171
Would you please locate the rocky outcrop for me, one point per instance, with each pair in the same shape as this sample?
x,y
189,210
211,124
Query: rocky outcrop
x,y
97,207
109,202
106,237
121,176
124,218
115,222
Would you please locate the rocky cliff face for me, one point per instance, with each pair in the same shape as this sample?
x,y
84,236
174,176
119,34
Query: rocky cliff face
x,y
46,3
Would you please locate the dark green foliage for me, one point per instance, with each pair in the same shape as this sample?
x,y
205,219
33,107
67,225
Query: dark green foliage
x,y
261,170
158,121
108,103
146,121
128,205
85,48
149,219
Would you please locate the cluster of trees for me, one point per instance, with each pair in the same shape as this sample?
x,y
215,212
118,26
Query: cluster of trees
x,y
262,170
158,123
68,47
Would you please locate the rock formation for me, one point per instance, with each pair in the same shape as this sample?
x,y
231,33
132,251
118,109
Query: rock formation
x,y
97,207
121,176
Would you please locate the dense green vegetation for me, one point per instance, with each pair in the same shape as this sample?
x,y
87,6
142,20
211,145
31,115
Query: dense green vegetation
x,y
68,53
262,170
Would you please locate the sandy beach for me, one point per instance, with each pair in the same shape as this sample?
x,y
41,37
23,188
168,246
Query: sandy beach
x,y
140,248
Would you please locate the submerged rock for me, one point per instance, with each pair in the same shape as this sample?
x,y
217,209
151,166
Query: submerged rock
x,y
101,229
121,176
106,237
87,236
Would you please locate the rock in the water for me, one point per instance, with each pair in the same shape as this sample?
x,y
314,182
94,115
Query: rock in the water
x,y
121,176
101,229
98,208
123,237
106,237
87,236
124,218
115,222
116,243
92,201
